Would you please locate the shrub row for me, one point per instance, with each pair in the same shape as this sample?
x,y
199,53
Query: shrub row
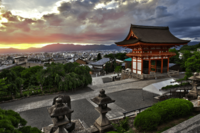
x,y
173,86
162,112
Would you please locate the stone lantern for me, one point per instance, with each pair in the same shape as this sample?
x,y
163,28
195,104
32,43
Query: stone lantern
x,y
58,114
102,123
195,81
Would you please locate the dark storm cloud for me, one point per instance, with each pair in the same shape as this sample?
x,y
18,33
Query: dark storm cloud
x,y
65,6
78,21
185,22
170,2
161,11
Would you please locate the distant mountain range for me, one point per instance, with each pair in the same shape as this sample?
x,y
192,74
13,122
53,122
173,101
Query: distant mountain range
x,y
62,47
70,47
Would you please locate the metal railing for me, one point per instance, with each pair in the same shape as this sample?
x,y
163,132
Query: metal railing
x,y
134,111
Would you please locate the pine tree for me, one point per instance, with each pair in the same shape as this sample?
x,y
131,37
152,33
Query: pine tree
x,y
99,56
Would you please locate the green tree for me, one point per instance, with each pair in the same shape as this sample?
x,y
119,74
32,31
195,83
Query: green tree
x,y
11,122
108,67
192,64
174,59
11,80
40,78
111,56
120,56
18,70
27,73
3,87
190,48
118,69
99,56
19,83
186,54
114,64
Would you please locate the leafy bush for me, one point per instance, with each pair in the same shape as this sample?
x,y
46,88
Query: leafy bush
x,y
147,120
10,120
174,86
122,127
162,112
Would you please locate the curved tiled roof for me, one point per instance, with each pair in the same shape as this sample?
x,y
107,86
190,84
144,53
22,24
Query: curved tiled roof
x,y
101,62
152,34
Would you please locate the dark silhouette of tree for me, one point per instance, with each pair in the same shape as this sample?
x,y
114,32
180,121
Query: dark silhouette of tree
x,y
99,56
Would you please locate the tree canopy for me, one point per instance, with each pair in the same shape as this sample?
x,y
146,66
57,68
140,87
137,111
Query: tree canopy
x,y
191,48
174,59
11,122
120,56
192,64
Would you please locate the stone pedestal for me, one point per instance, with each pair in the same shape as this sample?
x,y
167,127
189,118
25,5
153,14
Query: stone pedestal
x,y
79,127
102,123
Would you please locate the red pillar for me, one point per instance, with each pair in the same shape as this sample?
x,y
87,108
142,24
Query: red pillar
x,y
142,65
132,64
136,64
149,64
162,65
168,65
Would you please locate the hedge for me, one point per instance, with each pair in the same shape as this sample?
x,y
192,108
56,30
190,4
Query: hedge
x,y
162,112
174,86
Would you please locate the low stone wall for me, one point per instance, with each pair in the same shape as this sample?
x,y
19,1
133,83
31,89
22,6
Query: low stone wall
x,y
172,72
188,126
128,74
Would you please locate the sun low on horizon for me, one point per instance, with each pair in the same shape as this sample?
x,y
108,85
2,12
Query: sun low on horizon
x,y
35,24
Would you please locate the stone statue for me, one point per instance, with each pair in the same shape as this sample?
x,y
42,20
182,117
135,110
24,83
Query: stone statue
x,y
65,99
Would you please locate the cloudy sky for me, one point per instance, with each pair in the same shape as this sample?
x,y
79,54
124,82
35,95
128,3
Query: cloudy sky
x,y
37,23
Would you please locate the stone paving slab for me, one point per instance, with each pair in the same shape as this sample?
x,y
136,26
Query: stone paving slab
x,y
84,111
37,117
132,99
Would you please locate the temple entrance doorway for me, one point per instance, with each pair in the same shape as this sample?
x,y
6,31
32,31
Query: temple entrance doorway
x,y
165,65
153,66
145,67
158,66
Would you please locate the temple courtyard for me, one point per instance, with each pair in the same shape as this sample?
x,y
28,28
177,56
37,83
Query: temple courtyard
x,y
128,95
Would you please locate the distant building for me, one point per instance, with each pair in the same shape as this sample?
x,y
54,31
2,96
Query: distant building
x,y
80,61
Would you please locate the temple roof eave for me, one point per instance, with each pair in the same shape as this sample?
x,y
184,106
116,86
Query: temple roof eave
x,y
151,54
149,35
151,44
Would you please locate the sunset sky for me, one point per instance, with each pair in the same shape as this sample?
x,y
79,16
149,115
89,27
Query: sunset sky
x,y
36,23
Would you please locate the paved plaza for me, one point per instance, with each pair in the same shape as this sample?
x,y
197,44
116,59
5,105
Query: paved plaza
x,y
128,95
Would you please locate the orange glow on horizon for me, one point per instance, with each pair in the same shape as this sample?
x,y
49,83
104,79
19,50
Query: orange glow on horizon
x,y
21,46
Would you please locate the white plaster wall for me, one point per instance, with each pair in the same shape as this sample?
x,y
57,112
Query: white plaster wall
x,y
134,65
138,65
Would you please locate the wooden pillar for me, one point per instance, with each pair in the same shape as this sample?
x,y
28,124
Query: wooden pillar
x,y
155,64
142,65
149,64
136,64
162,65
132,64
168,65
